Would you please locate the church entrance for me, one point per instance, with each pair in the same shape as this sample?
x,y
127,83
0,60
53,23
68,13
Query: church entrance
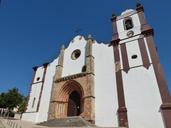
x,y
74,104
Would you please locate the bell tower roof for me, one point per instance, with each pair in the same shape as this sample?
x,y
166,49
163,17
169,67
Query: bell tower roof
x,y
128,11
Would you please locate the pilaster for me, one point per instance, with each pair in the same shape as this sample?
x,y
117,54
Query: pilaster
x,y
43,80
35,69
89,98
122,110
59,67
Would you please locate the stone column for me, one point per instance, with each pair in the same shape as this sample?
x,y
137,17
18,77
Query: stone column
x,y
89,56
58,75
89,98
59,67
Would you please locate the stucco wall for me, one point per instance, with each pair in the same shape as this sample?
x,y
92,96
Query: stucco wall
x,y
74,66
46,93
106,103
42,114
39,74
32,117
142,98
35,93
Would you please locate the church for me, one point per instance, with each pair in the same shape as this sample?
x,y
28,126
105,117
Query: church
x,y
120,84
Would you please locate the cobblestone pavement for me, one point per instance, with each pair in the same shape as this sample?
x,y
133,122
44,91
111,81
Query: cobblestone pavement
x,y
4,123
1,125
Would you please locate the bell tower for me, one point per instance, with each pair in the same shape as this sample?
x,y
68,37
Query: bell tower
x,y
143,96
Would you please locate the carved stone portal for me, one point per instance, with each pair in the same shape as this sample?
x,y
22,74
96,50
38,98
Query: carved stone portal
x,y
73,98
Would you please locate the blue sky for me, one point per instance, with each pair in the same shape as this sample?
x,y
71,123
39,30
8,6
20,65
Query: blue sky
x,y
32,32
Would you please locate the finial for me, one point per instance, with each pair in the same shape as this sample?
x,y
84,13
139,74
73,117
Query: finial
x,y
113,17
139,7
35,68
63,46
90,37
45,64
138,4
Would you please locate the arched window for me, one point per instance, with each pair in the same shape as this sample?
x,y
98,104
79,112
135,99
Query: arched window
x,y
128,24
33,102
84,68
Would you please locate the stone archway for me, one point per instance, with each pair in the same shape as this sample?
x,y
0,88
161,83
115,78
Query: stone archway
x,y
62,92
68,96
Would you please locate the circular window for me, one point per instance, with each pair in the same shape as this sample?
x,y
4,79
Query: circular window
x,y
134,56
38,78
75,54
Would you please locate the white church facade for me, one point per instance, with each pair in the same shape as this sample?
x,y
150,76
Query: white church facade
x,y
110,85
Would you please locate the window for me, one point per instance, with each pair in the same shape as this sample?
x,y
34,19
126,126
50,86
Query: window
x,y
38,78
128,24
134,56
33,102
75,54
84,68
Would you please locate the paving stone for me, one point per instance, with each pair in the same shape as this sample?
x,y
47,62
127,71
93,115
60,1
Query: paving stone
x,y
67,122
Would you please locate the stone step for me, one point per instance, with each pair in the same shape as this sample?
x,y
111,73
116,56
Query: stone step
x,y
75,121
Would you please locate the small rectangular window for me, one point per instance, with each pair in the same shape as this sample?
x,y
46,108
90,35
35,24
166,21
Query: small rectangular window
x,y
33,102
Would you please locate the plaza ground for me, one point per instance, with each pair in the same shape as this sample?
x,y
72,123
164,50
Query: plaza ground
x,y
14,123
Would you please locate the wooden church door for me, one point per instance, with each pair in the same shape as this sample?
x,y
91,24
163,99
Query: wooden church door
x,y
74,104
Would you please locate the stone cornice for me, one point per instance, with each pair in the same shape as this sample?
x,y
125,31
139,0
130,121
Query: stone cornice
x,y
166,106
147,30
71,77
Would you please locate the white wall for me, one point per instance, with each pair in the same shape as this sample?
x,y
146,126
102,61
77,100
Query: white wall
x,y
35,90
39,74
35,93
133,49
106,103
46,93
31,117
74,66
142,98
42,114
31,114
